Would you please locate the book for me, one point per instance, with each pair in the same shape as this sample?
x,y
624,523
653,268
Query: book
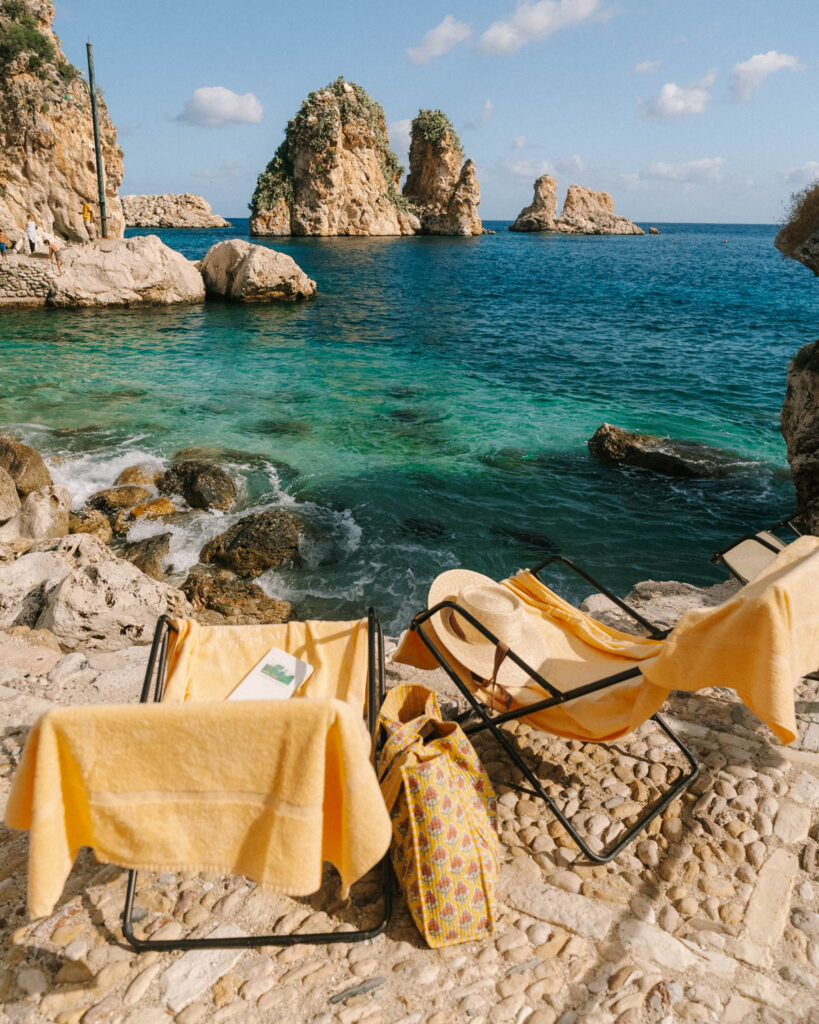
x,y
276,676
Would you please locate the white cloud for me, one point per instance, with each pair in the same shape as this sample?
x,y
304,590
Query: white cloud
x,y
645,67
534,20
487,110
804,175
227,171
519,142
570,165
214,106
690,173
399,133
440,40
750,74
674,102
529,168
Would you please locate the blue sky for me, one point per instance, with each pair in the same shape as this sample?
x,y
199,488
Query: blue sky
x,y
685,110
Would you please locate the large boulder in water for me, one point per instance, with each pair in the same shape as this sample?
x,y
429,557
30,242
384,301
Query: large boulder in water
x,y
149,554
202,484
541,214
140,271
243,272
660,454
256,543
24,465
586,212
219,597
800,428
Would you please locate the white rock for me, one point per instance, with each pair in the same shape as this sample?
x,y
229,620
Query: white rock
x,y
43,514
243,272
171,210
657,945
9,499
125,272
108,606
569,910
793,822
767,911
195,972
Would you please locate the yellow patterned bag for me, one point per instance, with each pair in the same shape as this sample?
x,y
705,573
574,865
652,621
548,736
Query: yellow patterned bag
x,y
445,847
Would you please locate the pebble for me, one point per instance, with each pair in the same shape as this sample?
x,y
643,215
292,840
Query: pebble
x,y
32,981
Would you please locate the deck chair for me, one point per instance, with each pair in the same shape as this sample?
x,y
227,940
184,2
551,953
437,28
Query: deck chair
x,y
545,662
274,817
746,557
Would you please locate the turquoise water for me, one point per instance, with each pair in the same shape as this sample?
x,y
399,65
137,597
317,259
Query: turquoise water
x,y
431,406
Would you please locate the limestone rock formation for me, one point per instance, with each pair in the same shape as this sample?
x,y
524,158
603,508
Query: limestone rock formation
x,y
661,454
24,465
47,167
586,212
243,272
541,215
43,514
219,597
799,238
334,173
800,428
89,520
171,210
9,499
129,272
444,195
256,543
149,554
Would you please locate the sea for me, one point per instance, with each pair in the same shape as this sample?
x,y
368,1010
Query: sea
x,y
431,406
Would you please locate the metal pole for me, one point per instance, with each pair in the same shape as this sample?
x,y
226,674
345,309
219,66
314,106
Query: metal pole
x,y
100,169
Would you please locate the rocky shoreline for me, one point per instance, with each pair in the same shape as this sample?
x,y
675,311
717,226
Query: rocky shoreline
x,y
170,210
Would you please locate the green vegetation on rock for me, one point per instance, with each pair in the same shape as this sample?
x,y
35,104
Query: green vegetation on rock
x,y
316,127
19,34
433,125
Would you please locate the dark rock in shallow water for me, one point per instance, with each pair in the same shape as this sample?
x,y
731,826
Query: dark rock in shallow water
x,y
148,555
114,499
200,483
661,454
224,598
256,543
24,465
800,428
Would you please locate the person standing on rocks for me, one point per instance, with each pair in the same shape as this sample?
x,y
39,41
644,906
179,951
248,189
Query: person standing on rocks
x,y
31,235
5,242
88,220
53,254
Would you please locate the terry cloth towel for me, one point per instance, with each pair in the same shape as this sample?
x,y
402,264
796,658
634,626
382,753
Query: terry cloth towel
x,y
760,642
267,789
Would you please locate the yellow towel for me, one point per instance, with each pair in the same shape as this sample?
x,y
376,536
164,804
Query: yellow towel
x,y
265,789
759,643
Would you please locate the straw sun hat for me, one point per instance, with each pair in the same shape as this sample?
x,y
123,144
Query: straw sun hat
x,y
502,613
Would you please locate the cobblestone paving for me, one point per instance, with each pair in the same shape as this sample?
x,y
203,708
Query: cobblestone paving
x,y
712,916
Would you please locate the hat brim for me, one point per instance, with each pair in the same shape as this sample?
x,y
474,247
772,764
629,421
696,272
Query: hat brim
x,y
479,658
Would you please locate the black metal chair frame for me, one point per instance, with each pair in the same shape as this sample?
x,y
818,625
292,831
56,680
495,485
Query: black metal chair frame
x,y
718,558
493,721
155,676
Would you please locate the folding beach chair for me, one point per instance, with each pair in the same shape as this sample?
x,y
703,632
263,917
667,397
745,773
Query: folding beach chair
x,y
747,557
544,697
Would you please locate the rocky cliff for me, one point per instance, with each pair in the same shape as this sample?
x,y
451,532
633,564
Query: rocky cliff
x,y
799,238
47,164
334,174
182,210
443,194
586,212
541,215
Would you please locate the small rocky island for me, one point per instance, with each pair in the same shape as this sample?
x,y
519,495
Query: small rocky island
x,y
335,174
585,212
180,210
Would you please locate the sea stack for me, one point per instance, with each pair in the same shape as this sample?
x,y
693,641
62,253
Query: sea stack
x,y
586,212
171,210
334,173
444,194
541,215
47,166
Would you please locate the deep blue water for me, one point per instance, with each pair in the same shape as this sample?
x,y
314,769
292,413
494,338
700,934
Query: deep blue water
x,y
431,406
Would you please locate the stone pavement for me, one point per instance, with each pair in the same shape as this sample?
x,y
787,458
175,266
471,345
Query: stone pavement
x,y
712,916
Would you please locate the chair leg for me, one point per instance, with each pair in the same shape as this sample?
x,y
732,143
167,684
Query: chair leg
x,y
375,697
537,789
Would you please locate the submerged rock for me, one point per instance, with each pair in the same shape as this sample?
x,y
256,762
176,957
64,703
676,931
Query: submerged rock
x,y
171,210
586,212
200,483
334,173
800,428
799,238
219,597
256,543
541,214
660,454
24,465
140,271
149,554
444,195
243,272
